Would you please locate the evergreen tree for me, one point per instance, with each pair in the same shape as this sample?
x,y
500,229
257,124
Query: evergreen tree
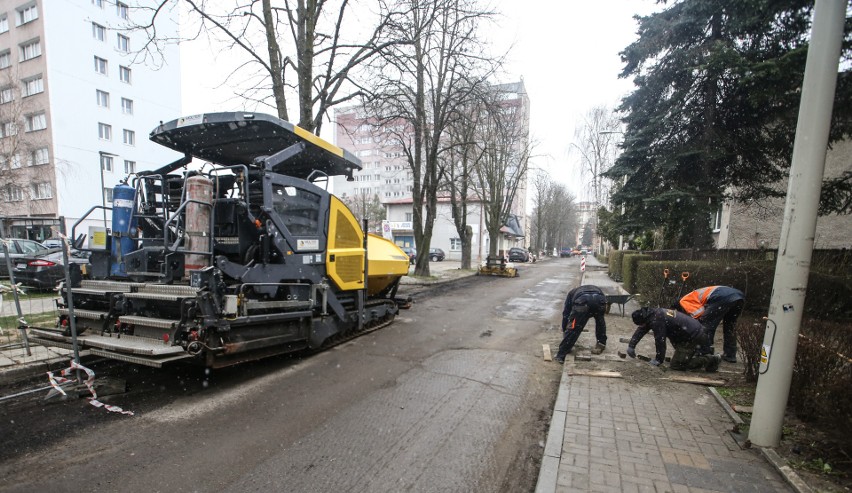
x,y
714,113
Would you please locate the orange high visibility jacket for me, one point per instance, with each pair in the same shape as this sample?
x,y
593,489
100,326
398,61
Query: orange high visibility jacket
x,y
693,303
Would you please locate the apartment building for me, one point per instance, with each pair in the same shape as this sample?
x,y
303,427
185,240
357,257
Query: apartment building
x,y
76,107
386,173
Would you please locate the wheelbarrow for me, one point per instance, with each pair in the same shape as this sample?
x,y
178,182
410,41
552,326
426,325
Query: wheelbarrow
x,y
619,299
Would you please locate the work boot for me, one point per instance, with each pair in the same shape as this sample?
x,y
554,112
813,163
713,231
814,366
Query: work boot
x,y
599,348
713,364
559,359
730,358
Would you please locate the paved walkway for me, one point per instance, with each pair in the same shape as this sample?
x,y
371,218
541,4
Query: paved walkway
x,y
642,433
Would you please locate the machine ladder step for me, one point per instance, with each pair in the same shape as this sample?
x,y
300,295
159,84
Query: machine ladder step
x,y
157,323
79,313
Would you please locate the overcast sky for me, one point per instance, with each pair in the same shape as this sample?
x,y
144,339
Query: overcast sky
x,y
565,50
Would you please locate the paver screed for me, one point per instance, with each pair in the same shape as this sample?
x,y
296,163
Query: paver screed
x,y
627,437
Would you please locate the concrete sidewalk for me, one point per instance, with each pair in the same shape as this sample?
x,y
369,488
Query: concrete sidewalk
x,y
642,432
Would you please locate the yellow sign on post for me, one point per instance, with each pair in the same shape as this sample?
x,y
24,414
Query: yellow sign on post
x,y
764,354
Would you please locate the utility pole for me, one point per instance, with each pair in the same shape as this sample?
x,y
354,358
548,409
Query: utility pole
x,y
796,244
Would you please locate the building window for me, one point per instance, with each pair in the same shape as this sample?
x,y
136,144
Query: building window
x,y
123,43
98,3
42,191
409,216
717,221
124,74
5,59
129,167
106,162
98,32
27,14
30,50
4,23
14,193
127,106
36,121
17,162
129,137
107,194
100,66
455,244
32,86
39,156
104,131
6,95
102,97
121,10
10,128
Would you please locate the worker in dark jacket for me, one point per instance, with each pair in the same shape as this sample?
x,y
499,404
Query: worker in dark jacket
x,y
581,304
685,333
712,305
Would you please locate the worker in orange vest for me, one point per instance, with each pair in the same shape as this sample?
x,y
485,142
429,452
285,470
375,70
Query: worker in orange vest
x,y
712,305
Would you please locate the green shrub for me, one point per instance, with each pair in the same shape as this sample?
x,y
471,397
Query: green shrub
x,y
615,258
602,259
628,269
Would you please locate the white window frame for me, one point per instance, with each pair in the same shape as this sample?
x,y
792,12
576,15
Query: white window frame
x,y
455,244
122,43
127,106
124,74
4,23
98,32
98,3
32,85
108,194
129,137
102,98
40,156
106,163
14,193
5,59
10,128
26,14
121,10
129,167
30,49
101,63
35,122
104,131
42,191
7,95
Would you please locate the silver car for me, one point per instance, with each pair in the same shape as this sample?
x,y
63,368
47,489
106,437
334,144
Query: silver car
x,y
19,248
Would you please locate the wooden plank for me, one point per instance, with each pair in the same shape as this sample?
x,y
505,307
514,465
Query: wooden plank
x,y
595,373
742,409
698,380
545,348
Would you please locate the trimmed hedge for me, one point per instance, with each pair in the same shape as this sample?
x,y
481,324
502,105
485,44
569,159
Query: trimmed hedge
x,y
615,258
829,296
628,268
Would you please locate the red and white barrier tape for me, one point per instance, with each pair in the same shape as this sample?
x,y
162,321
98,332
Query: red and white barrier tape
x,y
55,382
582,264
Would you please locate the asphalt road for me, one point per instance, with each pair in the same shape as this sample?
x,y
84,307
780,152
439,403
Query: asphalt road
x,y
454,396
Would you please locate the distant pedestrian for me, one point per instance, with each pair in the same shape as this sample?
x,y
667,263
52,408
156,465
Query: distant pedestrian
x,y
685,333
581,304
712,305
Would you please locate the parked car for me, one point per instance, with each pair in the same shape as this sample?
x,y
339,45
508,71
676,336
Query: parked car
x,y
52,243
518,255
44,271
436,255
566,252
19,248
412,254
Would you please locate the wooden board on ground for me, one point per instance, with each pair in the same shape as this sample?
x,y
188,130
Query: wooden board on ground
x,y
583,357
743,409
698,380
546,350
594,373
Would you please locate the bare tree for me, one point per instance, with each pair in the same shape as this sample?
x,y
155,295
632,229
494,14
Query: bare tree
x,y
306,45
364,205
554,214
596,140
504,143
26,183
420,84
